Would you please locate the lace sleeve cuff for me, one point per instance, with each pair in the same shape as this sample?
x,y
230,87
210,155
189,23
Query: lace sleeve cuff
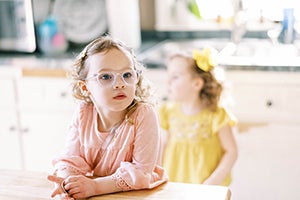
x,y
120,182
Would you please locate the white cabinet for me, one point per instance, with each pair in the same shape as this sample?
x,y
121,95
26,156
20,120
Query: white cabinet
x,y
267,106
43,138
265,96
46,108
34,116
45,93
10,148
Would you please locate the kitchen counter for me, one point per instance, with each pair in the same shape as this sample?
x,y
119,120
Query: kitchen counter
x,y
28,185
248,55
37,67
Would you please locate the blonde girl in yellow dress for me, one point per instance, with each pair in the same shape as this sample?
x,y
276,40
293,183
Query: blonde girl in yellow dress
x,y
200,146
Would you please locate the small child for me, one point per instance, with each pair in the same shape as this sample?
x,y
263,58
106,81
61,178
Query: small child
x,y
200,147
113,130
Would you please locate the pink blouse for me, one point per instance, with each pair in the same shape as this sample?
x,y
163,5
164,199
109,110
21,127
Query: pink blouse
x,y
131,155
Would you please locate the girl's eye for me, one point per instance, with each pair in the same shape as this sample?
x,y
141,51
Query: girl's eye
x,y
127,75
105,77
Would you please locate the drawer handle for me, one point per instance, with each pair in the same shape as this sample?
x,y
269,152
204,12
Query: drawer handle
x,y
269,103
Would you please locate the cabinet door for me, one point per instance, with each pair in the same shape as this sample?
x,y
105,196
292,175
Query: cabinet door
x,y
265,96
44,135
10,146
46,106
45,93
10,143
260,103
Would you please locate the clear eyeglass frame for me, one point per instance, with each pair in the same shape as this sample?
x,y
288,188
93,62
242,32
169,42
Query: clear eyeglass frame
x,y
109,78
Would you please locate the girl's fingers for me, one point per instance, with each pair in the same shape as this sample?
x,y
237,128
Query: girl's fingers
x,y
55,179
57,191
59,188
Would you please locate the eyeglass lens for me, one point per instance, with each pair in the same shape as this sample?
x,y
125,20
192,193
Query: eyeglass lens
x,y
109,78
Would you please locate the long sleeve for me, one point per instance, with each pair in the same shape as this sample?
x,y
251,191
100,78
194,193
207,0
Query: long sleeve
x,y
71,156
143,171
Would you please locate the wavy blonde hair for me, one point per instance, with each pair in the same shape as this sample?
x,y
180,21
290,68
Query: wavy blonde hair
x,y
103,44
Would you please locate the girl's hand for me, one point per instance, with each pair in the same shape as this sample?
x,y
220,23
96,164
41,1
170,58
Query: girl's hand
x,y
58,191
79,186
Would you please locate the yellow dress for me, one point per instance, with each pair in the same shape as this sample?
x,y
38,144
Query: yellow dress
x,y
193,150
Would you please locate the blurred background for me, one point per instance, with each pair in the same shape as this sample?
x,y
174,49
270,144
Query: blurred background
x,y
259,65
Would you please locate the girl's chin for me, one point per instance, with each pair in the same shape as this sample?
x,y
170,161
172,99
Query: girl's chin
x,y
120,106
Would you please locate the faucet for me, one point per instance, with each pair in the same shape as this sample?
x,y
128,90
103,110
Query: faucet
x,y
288,34
239,21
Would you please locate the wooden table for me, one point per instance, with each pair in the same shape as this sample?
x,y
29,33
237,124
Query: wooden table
x,y
25,185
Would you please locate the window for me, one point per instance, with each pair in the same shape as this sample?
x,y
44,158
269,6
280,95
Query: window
x,y
219,14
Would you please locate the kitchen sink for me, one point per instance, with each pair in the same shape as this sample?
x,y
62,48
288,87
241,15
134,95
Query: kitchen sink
x,y
248,52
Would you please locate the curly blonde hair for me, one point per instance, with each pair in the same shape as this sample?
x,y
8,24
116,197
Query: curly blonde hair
x,y
211,91
103,44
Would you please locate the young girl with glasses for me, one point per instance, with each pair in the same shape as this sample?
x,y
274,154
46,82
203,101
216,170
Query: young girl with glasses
x,y
113,143
200,147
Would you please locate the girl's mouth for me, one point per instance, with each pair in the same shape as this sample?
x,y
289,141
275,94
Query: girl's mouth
x,y
119,97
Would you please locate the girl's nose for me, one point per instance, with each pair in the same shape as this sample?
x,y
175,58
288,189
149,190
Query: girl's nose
x,y
119,83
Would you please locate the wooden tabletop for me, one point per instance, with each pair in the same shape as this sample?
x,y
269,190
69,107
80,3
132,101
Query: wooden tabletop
x,y
26,185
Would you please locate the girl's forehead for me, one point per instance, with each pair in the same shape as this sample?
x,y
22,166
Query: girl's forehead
x,y
114,59
178,65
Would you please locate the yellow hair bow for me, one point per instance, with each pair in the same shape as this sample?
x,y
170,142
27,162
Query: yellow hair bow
x,y
204,59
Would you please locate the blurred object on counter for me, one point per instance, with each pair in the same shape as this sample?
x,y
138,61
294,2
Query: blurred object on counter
x,y
193,15
274,34
82,21
239,27
51,39
288,33
194,8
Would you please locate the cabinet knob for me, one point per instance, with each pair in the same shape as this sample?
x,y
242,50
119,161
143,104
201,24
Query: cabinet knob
x,y
25,130
63,94
269,103
12,128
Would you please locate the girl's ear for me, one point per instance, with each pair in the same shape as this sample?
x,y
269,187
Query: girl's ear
x,y
83,88
199,83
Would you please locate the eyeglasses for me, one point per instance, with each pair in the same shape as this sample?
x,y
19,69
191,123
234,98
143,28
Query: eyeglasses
x,y
106,79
